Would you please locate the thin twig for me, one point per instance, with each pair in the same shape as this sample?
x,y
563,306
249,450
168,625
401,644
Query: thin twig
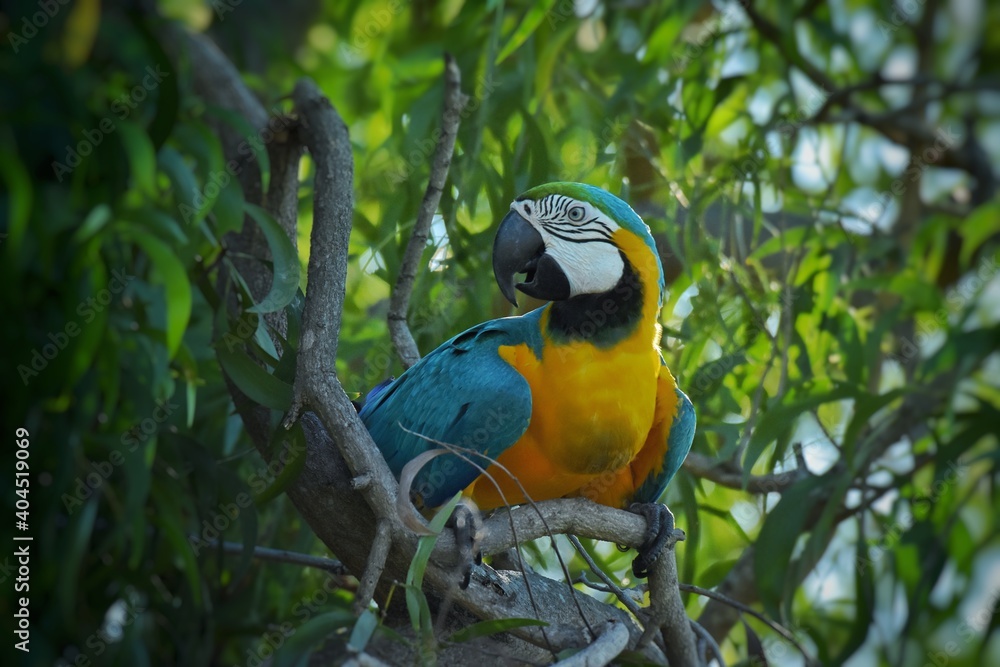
x,y
399,302
331,565
746,609
375,565
612,587
728,475
709,641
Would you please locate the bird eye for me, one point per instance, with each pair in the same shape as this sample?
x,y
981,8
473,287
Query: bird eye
x,y
576,213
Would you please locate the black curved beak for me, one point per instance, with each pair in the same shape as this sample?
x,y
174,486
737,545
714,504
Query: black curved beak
x,y
518,248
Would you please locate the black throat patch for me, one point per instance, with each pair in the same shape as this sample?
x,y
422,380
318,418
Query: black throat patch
x,y
602,319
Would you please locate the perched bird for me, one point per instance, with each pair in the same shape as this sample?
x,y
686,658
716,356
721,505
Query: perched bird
x,y
571,399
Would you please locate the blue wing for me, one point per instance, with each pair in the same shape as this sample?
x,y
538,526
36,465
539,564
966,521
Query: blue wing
x,y
462,394
679,441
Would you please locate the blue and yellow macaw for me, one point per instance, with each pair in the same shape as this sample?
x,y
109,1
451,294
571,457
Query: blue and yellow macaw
x,y
573,398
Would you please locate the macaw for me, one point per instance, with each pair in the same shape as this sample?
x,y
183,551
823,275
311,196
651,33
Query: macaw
x,y
571,399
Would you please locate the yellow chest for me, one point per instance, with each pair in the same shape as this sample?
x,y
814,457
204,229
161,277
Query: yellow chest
x,y
592,408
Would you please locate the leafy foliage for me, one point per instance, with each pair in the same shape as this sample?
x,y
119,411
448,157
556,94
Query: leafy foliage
x,y
831,241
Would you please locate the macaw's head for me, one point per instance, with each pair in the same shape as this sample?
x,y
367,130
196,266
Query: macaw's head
x,y
571,239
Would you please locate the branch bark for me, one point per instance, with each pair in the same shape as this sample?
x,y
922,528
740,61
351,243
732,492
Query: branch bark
x,y
729,476
668,609
316,385
399,302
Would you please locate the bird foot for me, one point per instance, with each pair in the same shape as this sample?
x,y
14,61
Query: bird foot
x,y
466,523
660,535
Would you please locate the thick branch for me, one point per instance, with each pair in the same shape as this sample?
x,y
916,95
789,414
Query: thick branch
x,y
399,303
577,516
665,603
325,135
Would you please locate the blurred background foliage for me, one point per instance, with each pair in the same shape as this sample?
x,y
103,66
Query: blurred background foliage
x,y
821,180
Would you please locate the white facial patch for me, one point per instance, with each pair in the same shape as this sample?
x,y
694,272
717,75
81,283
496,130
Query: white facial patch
x,y
578,236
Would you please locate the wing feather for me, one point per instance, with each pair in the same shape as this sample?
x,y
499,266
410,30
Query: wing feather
x,y
464,394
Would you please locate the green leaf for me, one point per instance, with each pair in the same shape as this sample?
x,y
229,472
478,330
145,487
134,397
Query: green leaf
x,y
487,628
95,221
362,632
291,445
141,156
788,238
981,225
79,531
185,185
175,282
755,649
229,209
528,25
416,602
299,645
20,192
259,385
865,406
180,549
780,420
252,140
781,530
864,605
285,263
138,469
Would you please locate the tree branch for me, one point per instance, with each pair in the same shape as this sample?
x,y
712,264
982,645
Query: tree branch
x,y
330,565
610,642
668,610
316,385
740,584
729,476
399,302
773,34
